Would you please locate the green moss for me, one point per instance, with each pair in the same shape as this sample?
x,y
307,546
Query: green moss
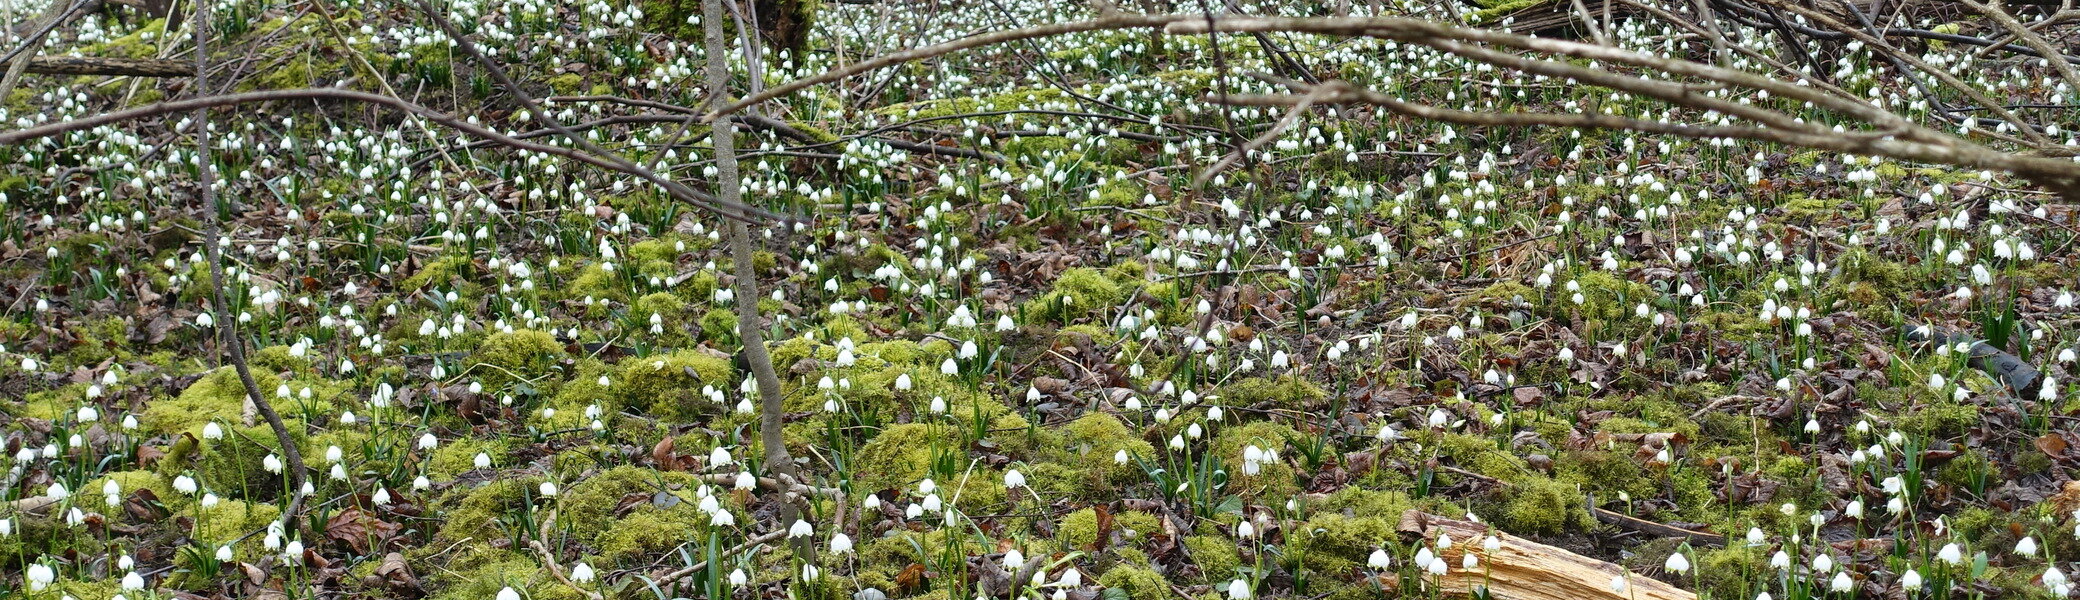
x,y
1138,583
1735,571
649,532
143,42
902,455
1274,481
1093,441
1537,504
598,284
497,569
588,505
475,514
230,520
567,83
1355,501
71,589
719,325
519,355
1079,530
1216,555
1283,391
220,397
1603,472
666,386
1334,544
277,359
460,456
234,466
444,273
1077,294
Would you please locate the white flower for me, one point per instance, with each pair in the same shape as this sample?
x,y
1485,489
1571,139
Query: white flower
x,y
1014,479
841,543
40,576
184,484
745,481
272,463
223,553
1379,559
1424,558
1245,530
800,528
722,518
381,497
720,457
1618,584
1014,560
1677,563
582,573
1238,590
1823,563
481,461
132,581
2027,546
428,442
548,488
738,577
507,593
1951,554
1910,581
1841,582
212,431
810,572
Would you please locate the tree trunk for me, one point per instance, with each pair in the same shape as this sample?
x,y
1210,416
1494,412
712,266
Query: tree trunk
x,y
750,326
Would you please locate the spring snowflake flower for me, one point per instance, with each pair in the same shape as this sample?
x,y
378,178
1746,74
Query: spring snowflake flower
x,y
1677,563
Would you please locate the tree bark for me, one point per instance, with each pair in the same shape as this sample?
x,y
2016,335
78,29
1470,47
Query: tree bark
x,y
750,326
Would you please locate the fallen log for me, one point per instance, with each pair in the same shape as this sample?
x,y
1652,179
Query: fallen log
x,y
87,65
1520,569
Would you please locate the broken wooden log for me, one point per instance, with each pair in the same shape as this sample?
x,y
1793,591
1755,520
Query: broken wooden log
x,y
1521,569
87,65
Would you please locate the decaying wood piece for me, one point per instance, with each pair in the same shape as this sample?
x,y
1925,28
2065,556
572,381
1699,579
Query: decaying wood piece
x,y
1525,570
87,65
